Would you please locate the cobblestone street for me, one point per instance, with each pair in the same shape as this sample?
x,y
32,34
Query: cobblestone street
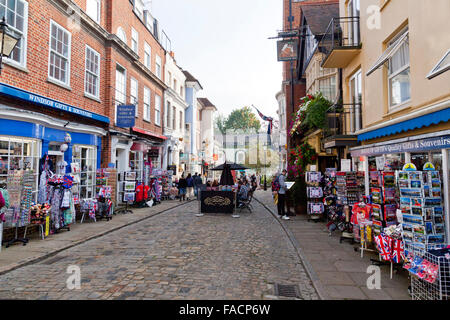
x,y
174,255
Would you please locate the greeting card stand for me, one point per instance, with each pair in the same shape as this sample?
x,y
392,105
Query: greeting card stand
x,y
125,209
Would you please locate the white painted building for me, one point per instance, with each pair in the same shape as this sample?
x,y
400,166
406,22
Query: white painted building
x,y
281,130
174,115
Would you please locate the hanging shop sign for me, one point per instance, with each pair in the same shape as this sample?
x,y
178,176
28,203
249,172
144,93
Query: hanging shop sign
x,y
287,50
442,142
27,96
126,116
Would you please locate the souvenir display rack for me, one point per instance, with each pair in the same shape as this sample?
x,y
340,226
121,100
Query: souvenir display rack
x,y
19,186
383,199
429,271
422,210
349,187
315,206
104,193
127,180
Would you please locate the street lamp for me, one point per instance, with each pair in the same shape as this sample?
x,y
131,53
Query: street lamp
x,y
9,42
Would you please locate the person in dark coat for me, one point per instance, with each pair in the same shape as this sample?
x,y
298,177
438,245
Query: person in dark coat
x,y
182,185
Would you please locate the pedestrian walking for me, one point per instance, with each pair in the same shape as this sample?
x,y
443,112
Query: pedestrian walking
x,y
182,185
282,195
190,187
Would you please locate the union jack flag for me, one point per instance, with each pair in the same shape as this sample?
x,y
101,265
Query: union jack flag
x,y
270,124
398,252
384,246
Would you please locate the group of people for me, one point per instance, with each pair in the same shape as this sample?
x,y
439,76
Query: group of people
x,y
188,187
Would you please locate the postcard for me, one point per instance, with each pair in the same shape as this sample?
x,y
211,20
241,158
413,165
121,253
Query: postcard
x,y
419,229
407,236
438,219
436,183
416,184
428,213
410,192
407,227
416,175
436,238
416,211
405,201
403,175
439,228
436,192
428,227
412,219
435,175
432,202
416,202
403,183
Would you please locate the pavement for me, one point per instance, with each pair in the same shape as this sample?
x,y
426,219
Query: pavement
x,y
337,269
172,254
18,255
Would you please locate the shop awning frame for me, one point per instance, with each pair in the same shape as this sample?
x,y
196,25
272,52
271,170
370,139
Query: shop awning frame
x,y
415,123
388,53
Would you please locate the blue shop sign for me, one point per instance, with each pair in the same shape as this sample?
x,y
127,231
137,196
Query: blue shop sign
x,y
126,116
419,145
46,102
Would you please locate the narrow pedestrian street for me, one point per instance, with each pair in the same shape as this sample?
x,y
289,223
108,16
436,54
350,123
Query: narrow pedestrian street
x,y
174,255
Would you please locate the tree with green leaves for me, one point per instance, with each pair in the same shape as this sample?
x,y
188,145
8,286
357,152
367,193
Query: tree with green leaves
x,y
243,119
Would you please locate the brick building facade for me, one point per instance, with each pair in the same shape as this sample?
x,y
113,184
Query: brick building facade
x,y
76,61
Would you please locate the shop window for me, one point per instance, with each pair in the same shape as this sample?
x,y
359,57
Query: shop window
x,y
137,163
86,157
16,14
19,154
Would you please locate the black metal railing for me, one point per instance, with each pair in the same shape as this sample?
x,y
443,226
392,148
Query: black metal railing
x,y
341,33
344,120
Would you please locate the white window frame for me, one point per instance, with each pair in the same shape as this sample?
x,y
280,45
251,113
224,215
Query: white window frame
x,y
438,69
118,102
98,6
355,114
397,72
158,68
134,93
134,40
158,101
121,34
139,8
148,56
97,94
68,58
147,104
90,185
23,36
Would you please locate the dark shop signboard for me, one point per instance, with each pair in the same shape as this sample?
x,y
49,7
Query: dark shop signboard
x,y
442,142
126,116
217,201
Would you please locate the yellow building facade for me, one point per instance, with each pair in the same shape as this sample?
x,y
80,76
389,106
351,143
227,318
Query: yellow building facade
x,y
395,61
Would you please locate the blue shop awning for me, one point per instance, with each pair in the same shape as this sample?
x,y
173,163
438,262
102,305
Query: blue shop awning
x,y
419,122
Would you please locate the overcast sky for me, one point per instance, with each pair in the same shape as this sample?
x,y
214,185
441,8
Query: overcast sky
x,y
225,45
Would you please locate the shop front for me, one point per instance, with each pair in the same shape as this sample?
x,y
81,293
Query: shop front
x,y
392,155
49,155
